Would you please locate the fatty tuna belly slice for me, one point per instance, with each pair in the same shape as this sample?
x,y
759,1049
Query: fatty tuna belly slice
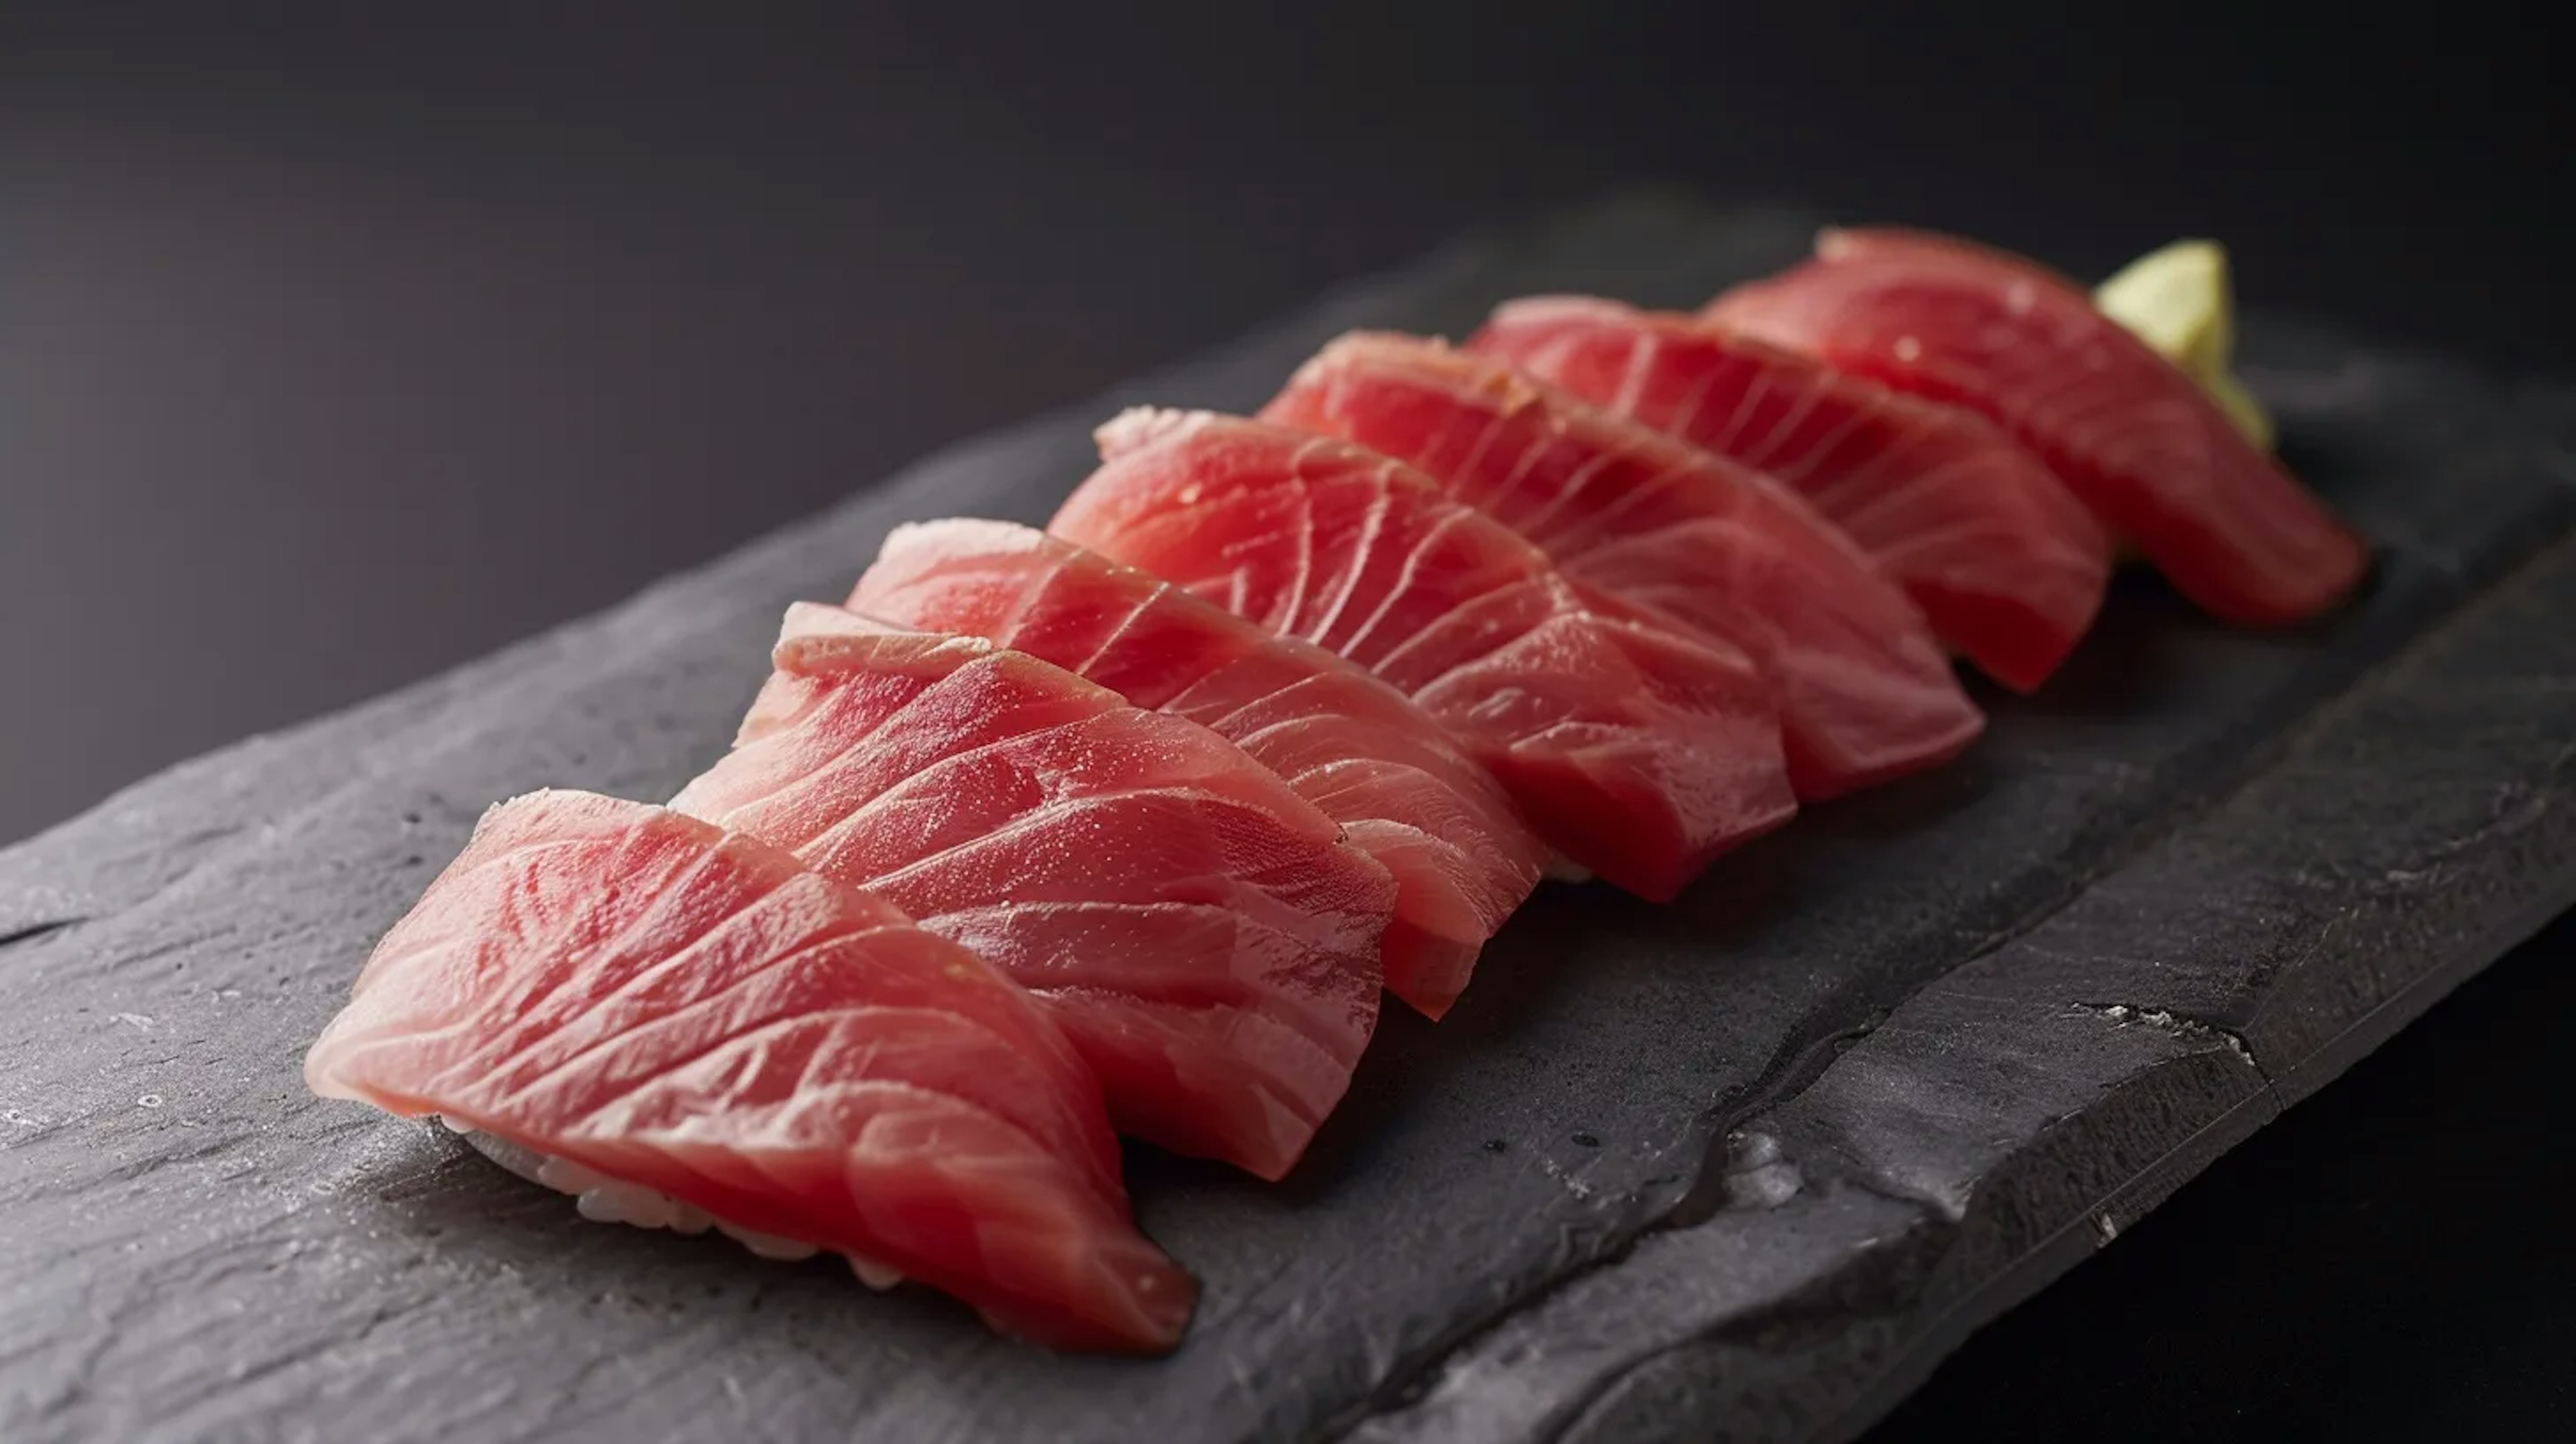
x,y
2006,564
1351,745
676,1008
1865,692
1205,936
2136,438
1637,750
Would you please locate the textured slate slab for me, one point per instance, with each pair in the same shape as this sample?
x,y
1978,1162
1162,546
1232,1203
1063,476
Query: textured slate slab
x,y
1744,1165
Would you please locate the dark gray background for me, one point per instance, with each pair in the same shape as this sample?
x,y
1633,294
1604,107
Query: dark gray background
x,y
336,350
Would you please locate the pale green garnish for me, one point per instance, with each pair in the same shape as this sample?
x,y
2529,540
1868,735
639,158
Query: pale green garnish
x,y
2177,299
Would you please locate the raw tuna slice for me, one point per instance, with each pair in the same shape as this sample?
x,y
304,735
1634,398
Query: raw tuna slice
x,y
1207,937
1865,692
2135,437
2006,563
615,994
1638,751
1350,744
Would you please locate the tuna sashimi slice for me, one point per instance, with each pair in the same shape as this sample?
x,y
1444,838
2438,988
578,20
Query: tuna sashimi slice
x,y
1351,745
1638,750
2135,437
684,1010
1864,690
2008,566
1207,938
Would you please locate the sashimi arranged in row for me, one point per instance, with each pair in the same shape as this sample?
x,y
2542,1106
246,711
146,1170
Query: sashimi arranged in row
x,y
1637,749
1865,694
1128,822
1402,790
2008,566
1207,938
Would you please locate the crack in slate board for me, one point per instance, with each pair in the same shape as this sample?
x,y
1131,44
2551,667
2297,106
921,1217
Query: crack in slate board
x,y
1736,1164
1997,1122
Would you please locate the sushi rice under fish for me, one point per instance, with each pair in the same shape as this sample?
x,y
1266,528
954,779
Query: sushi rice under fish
x,y
603,1199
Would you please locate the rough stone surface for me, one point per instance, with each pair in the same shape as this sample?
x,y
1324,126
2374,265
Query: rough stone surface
x,y
1744,1165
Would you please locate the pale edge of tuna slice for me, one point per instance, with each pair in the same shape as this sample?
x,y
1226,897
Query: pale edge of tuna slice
x,y
604,1199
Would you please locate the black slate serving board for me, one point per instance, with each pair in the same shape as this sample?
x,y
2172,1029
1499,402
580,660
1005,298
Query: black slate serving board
x,y
1745,1165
